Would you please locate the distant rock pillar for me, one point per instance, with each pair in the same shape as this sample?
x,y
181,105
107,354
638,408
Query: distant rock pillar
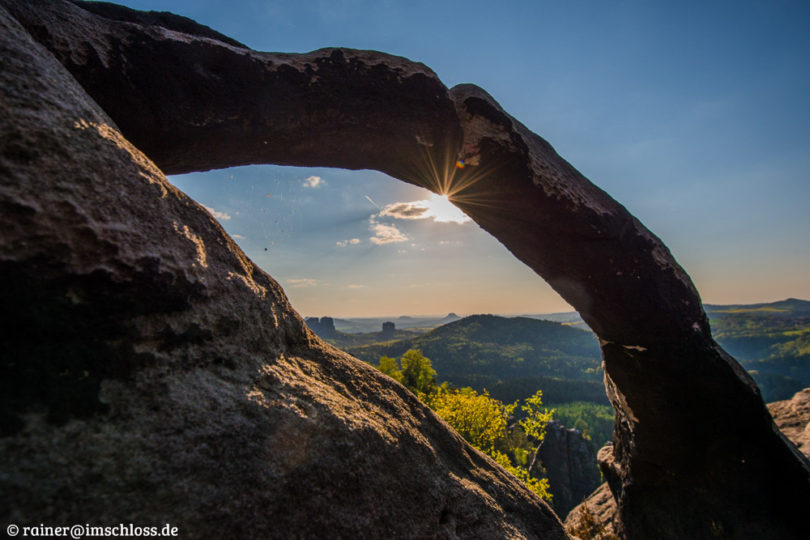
x,y
388,329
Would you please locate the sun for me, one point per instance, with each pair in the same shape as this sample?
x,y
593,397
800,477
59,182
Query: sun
x,y
442,210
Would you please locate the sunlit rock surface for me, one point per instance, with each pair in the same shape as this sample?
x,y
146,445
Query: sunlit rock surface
x,y
696,452
152,374
792,416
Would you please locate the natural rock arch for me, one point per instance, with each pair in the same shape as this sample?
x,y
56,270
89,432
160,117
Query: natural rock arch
x,y
696,452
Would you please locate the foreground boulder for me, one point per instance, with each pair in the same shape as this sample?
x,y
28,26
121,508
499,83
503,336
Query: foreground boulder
x,y
152,374
696,452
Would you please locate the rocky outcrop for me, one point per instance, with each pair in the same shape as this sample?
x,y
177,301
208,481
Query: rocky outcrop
x,y
696,452
323,327
792,416
388,329
570,463
595,517
152,374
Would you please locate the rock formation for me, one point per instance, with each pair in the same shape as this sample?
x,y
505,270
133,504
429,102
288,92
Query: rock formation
x,y
570,466
696,452
323,327
388,329
152,374
792,416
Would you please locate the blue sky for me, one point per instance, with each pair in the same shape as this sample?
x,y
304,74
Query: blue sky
x,y
694,115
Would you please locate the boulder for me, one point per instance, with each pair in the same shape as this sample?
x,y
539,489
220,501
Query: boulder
x,y
152,374
696,452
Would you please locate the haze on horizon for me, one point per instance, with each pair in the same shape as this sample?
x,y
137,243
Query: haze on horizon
x,y
693,116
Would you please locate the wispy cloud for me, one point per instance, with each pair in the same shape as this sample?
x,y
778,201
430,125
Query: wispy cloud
x,y
344,243
222,216
313,182
406,210
437,207
298,283
385,234
239,236
357,286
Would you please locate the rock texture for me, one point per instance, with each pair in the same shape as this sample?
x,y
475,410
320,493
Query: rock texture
x,y
792,416
152,374
599,511
570,466
696,452
593,519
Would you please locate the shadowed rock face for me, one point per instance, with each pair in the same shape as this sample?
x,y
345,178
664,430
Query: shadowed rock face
x,y
696,453
570,464
792,416
152,374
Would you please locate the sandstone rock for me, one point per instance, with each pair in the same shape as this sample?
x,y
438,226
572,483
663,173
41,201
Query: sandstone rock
x,y
792,416
570,466
388,329
593,518
152,374
323,327
599,511
696,452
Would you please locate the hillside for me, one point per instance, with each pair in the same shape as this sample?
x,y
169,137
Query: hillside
x,y
772,341
511,357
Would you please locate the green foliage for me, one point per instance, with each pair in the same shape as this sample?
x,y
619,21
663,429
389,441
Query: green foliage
x,y
480,419
536,420
772,341
485,351
476,417
417,371
390,367
594,421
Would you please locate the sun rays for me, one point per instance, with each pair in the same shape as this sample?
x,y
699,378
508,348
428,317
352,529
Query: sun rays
x,y
454,180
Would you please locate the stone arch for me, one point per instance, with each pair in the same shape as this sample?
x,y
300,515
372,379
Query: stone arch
x,y
696,452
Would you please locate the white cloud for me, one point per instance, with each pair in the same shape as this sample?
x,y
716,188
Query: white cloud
x,y
239,236
357,286
386,234
437,207
344,243
298,283
406,210
222,216
314,182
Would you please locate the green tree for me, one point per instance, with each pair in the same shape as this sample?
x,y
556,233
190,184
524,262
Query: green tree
x,y
390,367
476,417
482,420
535,422
417,372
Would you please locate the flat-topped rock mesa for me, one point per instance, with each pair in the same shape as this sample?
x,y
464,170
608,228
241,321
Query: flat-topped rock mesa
x,y
185,363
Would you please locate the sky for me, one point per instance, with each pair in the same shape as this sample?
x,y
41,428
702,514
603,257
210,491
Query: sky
x,y
693,115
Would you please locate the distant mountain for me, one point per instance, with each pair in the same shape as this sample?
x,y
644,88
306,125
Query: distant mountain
x,y
791,307
487,351
771,340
